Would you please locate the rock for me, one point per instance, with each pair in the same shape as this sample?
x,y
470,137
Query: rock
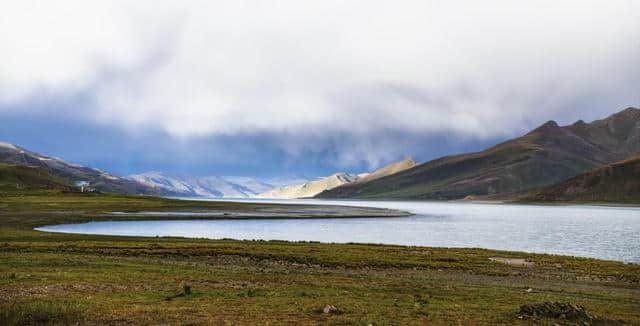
x,y
559,310
186,288
513,261
329,309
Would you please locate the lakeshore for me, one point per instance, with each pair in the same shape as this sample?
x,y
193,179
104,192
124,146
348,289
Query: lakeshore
x,y
67,278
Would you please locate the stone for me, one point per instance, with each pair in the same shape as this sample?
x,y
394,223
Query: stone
x,y
329,309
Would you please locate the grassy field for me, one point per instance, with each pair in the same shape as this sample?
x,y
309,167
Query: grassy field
x,y
48,278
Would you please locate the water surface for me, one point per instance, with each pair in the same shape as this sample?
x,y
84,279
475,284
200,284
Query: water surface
x,y
588,231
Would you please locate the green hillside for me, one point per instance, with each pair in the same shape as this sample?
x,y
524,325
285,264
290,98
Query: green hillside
x,y
618,182
16,179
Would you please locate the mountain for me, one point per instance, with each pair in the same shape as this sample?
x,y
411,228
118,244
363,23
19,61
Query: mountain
x,y
311,188
22,168
617,182
255,186
68,173
542,157
203,187
387,170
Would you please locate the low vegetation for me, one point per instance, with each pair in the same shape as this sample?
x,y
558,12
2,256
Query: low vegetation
x,y
614,183
50,278
563,311
20,180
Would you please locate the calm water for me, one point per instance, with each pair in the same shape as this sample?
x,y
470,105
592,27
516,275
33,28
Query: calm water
x,y
589,231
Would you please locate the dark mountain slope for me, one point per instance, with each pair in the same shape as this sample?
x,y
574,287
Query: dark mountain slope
x,y
542,157
70,173
617,182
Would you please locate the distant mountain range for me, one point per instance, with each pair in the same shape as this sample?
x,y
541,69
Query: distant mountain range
x,y
550,163
208,187
312,188
544,156
25,169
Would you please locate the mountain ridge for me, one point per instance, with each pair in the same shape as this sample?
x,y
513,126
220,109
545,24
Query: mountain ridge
x,y
314,187
57,173
310,188
70,173
545,155
203,187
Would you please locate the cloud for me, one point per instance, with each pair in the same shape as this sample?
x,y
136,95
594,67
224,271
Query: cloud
x,y
309,70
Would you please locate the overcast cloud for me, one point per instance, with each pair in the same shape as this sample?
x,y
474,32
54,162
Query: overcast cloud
x,y
306,71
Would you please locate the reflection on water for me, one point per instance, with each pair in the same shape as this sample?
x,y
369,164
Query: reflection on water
x,y
590,231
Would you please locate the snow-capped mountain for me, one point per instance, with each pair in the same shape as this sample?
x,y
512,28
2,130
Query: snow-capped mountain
x,y
204,187
255,185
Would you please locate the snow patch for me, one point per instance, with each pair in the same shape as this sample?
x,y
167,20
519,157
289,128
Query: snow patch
x,y
7,145
109,176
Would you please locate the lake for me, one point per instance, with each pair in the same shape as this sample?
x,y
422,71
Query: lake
x,y
588,231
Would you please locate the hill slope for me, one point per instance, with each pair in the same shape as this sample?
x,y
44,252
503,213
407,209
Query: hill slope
x,y
17,179
69,173
388,170
542,157
311,188
617,182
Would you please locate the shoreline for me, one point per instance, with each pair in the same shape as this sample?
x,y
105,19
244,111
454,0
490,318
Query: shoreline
x,y
373,244
241,210
393,200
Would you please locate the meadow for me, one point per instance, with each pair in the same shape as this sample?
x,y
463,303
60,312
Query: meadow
x,y
52,278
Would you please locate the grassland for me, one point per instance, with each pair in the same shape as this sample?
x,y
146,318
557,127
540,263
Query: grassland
x,y
48,278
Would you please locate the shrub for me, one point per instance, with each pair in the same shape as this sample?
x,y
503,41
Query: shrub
x,y
186,289
40,313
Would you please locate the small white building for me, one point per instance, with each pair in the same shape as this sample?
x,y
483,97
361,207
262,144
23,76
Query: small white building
x,y
82,185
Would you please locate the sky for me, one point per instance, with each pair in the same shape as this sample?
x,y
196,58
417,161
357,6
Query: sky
x,y
303,88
